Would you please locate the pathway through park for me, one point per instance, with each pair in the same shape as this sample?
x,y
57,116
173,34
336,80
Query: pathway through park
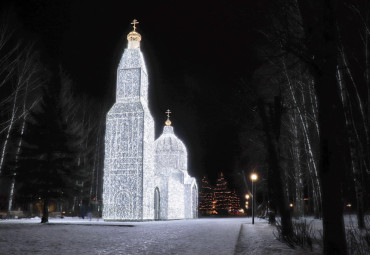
x,y
199,236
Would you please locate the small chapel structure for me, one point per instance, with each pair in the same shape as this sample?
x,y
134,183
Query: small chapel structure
x,y
144,178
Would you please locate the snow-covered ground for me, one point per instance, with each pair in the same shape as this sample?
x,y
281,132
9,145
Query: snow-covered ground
x,y
198,236
259,239
76,236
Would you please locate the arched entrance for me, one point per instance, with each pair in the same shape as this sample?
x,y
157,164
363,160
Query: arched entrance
x,y
157,204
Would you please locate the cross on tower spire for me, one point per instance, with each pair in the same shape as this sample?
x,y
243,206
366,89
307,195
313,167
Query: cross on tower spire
x,y
134,22
168,122
168,112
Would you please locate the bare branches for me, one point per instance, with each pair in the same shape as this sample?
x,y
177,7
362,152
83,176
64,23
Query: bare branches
x,y
19,76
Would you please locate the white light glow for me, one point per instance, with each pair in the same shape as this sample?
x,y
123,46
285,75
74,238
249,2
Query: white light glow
x,y
143,178
254,177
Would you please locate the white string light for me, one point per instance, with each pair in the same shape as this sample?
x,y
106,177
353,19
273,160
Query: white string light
x,y
135,165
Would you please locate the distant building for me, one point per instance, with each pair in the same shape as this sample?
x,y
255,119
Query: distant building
x,y
217,200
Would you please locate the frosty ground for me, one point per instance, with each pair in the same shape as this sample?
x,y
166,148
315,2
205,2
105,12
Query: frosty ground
x,y
197,236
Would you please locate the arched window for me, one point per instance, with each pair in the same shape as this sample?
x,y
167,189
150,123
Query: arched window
x,y
157,204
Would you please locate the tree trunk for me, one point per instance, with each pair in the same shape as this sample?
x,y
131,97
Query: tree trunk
x,y
10,128
11,192
277,174
355,160
299,175
11,196
365,136
367,81
45,211
304,124
315,197
331,167
313,101
319,22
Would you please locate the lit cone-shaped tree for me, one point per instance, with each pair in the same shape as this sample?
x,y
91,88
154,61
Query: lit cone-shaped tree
x,y
206,198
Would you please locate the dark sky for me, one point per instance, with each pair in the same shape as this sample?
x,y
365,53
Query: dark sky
x,y
196,52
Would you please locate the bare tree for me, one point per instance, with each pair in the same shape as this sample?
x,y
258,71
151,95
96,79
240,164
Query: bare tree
x,y
319,23
307,30
352,85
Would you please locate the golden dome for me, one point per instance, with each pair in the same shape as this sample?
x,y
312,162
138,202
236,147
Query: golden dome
x,y
133,35
168,123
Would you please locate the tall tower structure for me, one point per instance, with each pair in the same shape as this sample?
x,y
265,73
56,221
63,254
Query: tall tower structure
x,y
129,141
143,178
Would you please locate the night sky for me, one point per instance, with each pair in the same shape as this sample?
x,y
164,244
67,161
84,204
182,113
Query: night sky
x,y
197,54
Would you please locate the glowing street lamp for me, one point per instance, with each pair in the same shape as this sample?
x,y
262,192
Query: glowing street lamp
x,y
254,178
247,196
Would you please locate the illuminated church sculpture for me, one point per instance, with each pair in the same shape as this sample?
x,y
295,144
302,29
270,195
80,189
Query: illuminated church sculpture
x,y
144,179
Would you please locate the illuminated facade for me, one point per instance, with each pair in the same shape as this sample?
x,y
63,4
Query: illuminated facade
x,y
144,179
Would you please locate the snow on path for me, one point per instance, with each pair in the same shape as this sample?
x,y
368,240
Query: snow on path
x,y
199,236
259,239
216,236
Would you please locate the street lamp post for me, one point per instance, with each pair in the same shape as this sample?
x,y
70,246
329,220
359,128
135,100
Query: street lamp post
x,y
253,178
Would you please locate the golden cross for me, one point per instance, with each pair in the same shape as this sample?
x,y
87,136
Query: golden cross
x,y
134,22
168,113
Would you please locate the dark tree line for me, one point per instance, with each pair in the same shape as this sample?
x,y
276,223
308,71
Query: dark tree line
x,y
48,166
309,101
50,135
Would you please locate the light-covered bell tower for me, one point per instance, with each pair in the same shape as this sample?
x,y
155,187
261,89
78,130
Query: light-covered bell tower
x,y
143,179
129,141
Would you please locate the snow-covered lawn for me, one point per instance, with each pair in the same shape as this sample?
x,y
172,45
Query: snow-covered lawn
x,y
259,239
77,236
198,236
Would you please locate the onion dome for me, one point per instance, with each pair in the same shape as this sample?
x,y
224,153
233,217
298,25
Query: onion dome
x,y
134,37
168,142
170,151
